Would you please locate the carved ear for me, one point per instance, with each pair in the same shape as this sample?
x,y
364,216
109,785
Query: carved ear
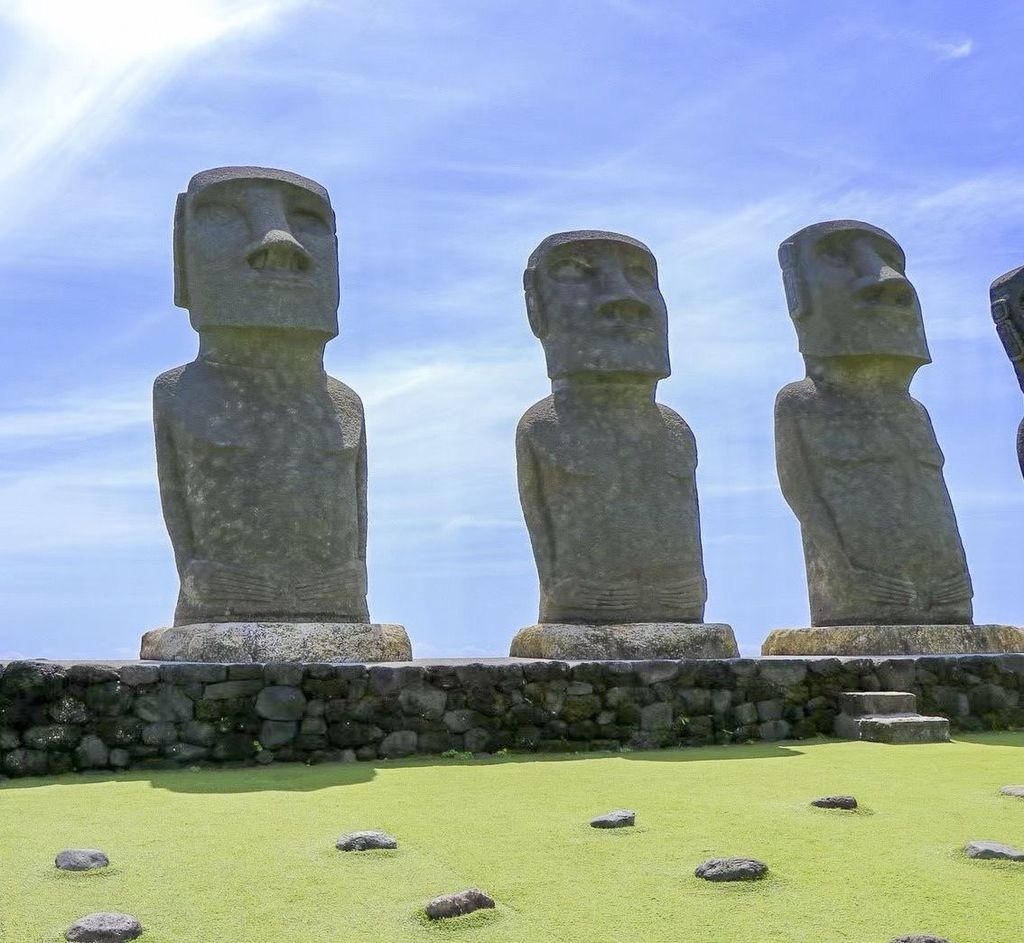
x,y
534,310
791,280
180,279
1007,330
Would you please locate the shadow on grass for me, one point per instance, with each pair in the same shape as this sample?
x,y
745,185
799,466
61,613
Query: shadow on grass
x,y
1002,738
298,777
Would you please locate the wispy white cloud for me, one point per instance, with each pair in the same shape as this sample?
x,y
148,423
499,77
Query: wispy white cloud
x,y
953,50
76,416
79,70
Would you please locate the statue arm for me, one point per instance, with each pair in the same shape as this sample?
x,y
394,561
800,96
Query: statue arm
x,y
799,487
801,493
172,492
535,512
361,492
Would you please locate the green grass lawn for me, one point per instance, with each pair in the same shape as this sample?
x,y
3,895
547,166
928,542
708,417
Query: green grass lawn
x,y
248,855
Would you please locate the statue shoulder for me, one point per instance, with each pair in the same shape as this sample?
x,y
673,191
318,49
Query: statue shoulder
x,y
167,387
677,426
797,400
538,422
346,400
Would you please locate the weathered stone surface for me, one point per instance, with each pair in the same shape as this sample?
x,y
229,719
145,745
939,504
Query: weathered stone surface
x,y
625,641
277,702
1007,298
91,753
398,743
835,802
1016,791
857,456
731,869
278,641
606,474
365,841
894,640
456,905
620,818
261,455
422,700
165,703
103,928
277,733
993,849
81,859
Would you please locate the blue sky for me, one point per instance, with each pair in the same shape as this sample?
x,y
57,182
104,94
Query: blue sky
x,y
453,135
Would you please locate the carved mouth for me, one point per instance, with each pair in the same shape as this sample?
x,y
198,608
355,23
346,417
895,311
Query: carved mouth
x,y
264,260
893,293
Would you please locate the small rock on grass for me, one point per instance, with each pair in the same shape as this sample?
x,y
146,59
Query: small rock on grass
x,y
1017,791
365,841
103,928
835,802
455,905
731,869
620,818
920,938
81,859
993,849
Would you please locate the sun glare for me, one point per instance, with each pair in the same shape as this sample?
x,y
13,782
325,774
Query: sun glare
x,y
126,30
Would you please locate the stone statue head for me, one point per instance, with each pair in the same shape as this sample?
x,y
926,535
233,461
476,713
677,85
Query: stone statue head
x,y
256,248
593,300
848,292
1007,297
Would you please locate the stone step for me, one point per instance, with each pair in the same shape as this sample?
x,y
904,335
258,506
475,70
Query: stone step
x,y
862,703
893,728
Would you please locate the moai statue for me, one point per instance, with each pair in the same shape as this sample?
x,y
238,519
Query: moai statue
x,y
606,474
859,463
1007,296
261,455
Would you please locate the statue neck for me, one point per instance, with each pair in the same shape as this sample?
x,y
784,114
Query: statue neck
x,y
281,350
602,390
867,375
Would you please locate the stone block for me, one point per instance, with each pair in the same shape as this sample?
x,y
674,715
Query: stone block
x,y
277,733
277,702
398,743
656,717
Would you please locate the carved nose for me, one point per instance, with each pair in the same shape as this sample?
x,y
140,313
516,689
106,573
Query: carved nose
x,y
625,308
279,250
888,290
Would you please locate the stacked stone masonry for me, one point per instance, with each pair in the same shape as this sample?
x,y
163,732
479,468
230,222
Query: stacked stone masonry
x,y
55,718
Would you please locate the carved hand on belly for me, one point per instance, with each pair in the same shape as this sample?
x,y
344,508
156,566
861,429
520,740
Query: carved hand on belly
x,y
882,588
209,583
683,594
953,589
596,595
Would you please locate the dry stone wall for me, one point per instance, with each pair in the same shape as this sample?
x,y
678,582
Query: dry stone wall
x,y
55,718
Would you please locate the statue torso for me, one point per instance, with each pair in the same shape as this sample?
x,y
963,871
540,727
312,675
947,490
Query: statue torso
x,y
618,489
268,474
877,467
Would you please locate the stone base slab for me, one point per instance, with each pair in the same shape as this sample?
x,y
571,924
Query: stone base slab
x,y
625,641
309,642
895,640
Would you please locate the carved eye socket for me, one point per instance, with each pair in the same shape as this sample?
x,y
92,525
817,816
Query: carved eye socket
x,y
569,270
640,274
835,252
219,214
306,221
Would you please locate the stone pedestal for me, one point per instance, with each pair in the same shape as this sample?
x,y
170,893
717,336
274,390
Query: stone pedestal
x,y
895,640
278,641
625,641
